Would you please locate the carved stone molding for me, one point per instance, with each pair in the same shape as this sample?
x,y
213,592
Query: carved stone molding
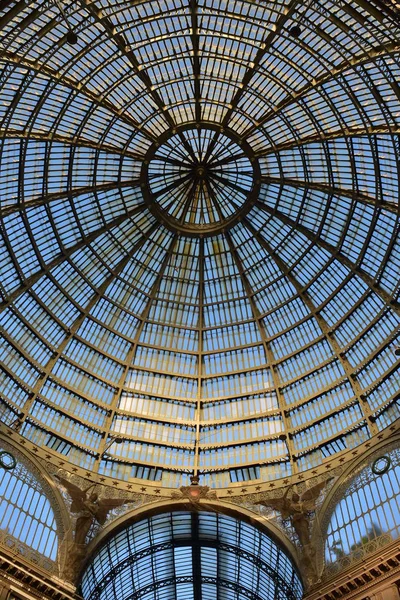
x,y
32,582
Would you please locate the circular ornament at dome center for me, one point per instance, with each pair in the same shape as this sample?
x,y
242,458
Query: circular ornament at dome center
x,y
200,180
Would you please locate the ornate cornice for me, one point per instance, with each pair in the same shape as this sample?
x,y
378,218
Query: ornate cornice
x,y
336,465
360,580
19,575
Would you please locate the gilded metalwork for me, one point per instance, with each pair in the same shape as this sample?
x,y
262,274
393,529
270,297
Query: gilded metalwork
x,y
381,465
199,231
203,550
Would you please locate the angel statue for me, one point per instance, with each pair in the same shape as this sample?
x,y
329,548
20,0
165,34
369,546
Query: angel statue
x,y
297,508
89,508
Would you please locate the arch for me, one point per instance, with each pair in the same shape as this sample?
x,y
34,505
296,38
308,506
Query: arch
x,y
347,496
205,532
239,512
43,505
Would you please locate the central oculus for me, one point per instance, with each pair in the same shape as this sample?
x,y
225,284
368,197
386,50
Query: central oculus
x,y
200,180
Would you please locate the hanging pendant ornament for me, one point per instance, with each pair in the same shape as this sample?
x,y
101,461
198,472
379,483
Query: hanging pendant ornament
x,y
71,37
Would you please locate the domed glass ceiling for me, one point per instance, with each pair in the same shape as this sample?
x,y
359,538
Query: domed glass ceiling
x,y
199,225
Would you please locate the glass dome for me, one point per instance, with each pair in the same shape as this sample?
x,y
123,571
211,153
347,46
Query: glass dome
x,y
199,233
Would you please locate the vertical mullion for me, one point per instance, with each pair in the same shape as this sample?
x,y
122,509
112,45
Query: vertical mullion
x,y
196,557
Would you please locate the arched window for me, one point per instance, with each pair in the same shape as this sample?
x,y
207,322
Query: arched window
x,y
191,555
25,511
368,515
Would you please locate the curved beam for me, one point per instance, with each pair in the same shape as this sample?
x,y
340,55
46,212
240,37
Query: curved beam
x,y
348,132
67,253
323,325
76,86
284,16
332,191
266,345
123,47
22,134
193,6
73,328
200,366
334,251
336,72
129,360
12,13
242,86
44,200
160,583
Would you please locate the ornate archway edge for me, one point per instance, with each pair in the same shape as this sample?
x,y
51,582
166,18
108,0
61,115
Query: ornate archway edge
x,y
335,494
335,466
258,521
35,466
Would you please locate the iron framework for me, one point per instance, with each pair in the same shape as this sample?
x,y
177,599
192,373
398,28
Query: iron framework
x,y
231,308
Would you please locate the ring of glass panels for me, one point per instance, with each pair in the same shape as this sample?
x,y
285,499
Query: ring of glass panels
x,y
251,354
200,180
188,556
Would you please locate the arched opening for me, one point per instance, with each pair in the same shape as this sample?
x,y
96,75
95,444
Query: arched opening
x,y
364,514
27,519
190,555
